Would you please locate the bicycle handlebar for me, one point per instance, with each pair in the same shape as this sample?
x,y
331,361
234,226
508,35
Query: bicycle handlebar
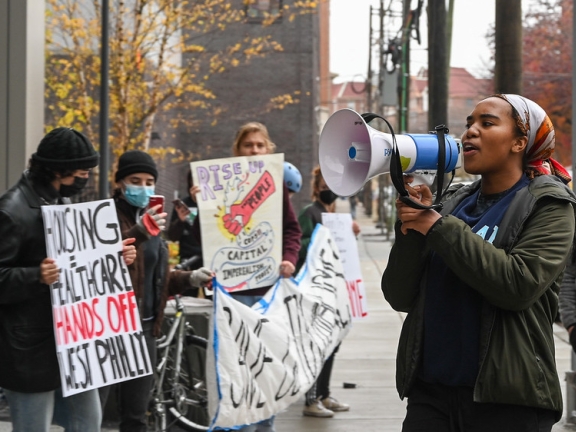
x,y
187,264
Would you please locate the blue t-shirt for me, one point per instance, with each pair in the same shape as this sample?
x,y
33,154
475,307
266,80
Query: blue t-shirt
x,y
452,309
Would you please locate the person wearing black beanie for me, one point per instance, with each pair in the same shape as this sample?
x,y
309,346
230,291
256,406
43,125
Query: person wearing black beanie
x,y
62,162
150,274
29,370
135,161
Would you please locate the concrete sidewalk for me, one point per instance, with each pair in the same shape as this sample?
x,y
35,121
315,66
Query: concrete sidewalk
x,y
367,357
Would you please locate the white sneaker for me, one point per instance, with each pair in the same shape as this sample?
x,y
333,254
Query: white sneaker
x,y
317,409
333,405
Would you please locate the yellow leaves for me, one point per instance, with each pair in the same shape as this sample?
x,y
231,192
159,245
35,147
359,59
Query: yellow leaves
x,y
158,64
282,101
276,46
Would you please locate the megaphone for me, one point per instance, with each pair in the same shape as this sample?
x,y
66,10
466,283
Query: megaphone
x,y
351,152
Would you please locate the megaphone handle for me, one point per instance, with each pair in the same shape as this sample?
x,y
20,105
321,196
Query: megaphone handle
x,y
441,131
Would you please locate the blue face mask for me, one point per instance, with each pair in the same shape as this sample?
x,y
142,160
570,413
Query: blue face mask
x,y
138,196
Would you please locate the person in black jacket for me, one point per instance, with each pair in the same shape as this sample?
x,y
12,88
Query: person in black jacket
x,y
150,274
29,371
180,229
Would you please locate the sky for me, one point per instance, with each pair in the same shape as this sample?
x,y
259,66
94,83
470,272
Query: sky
x,y
349,32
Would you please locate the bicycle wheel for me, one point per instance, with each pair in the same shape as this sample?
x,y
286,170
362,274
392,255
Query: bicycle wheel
x,y
185,396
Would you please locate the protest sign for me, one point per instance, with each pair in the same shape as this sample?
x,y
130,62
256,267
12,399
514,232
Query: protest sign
x,y
99,339
264,358
240,210
340,226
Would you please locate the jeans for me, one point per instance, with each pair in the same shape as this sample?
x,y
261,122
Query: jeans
x,y
248,300
35,411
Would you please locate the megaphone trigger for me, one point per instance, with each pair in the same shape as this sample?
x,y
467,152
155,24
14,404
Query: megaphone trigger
x,y
422,177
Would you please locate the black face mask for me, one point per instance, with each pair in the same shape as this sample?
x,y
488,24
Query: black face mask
x,y
328,197
74,188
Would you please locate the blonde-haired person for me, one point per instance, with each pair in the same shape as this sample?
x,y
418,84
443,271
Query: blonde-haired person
x,y
318,401
253,139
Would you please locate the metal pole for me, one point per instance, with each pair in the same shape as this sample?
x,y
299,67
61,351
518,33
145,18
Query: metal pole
x,y
573,95
103,186
571,374
369,79
570,389
380,110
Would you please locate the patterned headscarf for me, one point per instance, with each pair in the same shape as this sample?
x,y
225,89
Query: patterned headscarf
x,y
541,137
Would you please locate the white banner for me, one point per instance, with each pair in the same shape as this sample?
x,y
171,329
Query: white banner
x,y
240,207
99,339
264,358
340,226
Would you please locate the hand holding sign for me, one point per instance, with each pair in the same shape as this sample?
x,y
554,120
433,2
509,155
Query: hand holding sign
x,y
286,269
254,199
129,250
49,271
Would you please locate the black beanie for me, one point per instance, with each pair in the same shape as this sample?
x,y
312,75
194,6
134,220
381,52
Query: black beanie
x,y
135,161
66,149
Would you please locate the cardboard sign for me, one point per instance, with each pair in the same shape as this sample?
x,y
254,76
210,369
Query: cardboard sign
x,y
263,359
99,339
239,204
340,225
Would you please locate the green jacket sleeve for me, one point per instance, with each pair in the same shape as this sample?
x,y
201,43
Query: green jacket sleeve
x,y
517,279
307,226
406,263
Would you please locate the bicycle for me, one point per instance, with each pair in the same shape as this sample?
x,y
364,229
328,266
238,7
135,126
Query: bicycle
x,y
180,394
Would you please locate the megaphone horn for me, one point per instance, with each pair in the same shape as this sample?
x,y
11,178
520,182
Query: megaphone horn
x,y
351,152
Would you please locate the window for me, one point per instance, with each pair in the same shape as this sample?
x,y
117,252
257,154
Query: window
x,y
258,10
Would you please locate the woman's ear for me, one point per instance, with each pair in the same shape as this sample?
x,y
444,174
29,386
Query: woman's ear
x,y
520,144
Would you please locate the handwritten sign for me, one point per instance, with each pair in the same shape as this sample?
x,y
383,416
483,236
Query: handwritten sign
x,y
264,358
99,339
239,203
340,226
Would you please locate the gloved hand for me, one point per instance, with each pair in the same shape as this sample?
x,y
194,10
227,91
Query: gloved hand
x,y
201,277
153,222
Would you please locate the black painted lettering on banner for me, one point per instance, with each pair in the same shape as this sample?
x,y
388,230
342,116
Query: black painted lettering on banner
x,y
124,359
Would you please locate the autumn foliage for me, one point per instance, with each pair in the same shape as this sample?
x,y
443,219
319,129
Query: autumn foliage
x,y
159,62
547,58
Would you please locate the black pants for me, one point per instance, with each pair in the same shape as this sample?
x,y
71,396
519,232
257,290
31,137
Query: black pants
x,y
321,388
439,408
133,396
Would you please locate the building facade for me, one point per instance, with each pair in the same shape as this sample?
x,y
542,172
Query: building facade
x,y
250,92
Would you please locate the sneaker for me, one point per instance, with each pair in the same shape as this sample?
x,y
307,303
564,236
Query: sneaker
x,y
333,405
317,410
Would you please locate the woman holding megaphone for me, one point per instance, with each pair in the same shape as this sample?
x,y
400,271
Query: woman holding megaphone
x,y
479,280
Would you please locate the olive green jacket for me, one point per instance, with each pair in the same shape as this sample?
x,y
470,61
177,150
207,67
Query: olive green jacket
x,y
518,276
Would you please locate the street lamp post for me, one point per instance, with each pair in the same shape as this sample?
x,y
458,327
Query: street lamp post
x,y
104,106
